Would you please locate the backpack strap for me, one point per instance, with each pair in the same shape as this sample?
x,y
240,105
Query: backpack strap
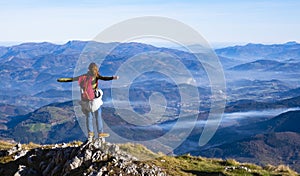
x,y
86,86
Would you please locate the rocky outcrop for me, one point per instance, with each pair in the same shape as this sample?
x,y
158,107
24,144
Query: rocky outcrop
x,y
91,158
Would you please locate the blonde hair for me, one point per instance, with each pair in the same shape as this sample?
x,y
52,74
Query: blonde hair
x,y
93,69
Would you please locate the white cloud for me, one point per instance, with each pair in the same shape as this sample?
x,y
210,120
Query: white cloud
x,y
254,114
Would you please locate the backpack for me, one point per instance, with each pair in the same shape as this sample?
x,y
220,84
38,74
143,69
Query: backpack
x,y
86,87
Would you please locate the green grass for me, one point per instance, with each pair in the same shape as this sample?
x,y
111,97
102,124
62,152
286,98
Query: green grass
x,y
190,165
36,127
58,115
139,151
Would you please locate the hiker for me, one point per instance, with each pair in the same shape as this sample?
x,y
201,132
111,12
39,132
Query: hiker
x,y
91,98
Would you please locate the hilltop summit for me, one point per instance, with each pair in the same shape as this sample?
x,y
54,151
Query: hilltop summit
x,y
90,158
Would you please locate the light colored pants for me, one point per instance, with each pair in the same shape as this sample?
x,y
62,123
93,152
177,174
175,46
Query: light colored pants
x,y
89,120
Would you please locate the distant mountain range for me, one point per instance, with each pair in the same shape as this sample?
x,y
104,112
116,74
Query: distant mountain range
x,y
251,52
31,69
35,107
268,65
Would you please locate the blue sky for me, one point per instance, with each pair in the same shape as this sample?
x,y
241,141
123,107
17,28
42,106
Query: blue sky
x,y
256,21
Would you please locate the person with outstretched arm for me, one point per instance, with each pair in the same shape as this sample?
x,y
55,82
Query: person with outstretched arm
x,y
91,98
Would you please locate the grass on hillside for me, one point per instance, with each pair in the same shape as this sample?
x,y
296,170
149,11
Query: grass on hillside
x,y
4,145
139,151
39,127
184,165
190,165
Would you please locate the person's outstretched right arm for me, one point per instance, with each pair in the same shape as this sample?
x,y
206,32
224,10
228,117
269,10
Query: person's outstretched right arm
x,y
68,79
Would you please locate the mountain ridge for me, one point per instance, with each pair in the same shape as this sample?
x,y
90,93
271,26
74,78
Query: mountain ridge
x,y
265,51
41,65
30,80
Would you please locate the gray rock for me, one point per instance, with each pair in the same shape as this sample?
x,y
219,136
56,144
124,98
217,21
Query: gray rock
x,y
97,156
76,163
15,149
64,145
20,154
232,168
91,158
19,146
20,171
87,155
114,149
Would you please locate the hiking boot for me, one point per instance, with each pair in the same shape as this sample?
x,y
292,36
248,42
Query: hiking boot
x,y
90,136
103,135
